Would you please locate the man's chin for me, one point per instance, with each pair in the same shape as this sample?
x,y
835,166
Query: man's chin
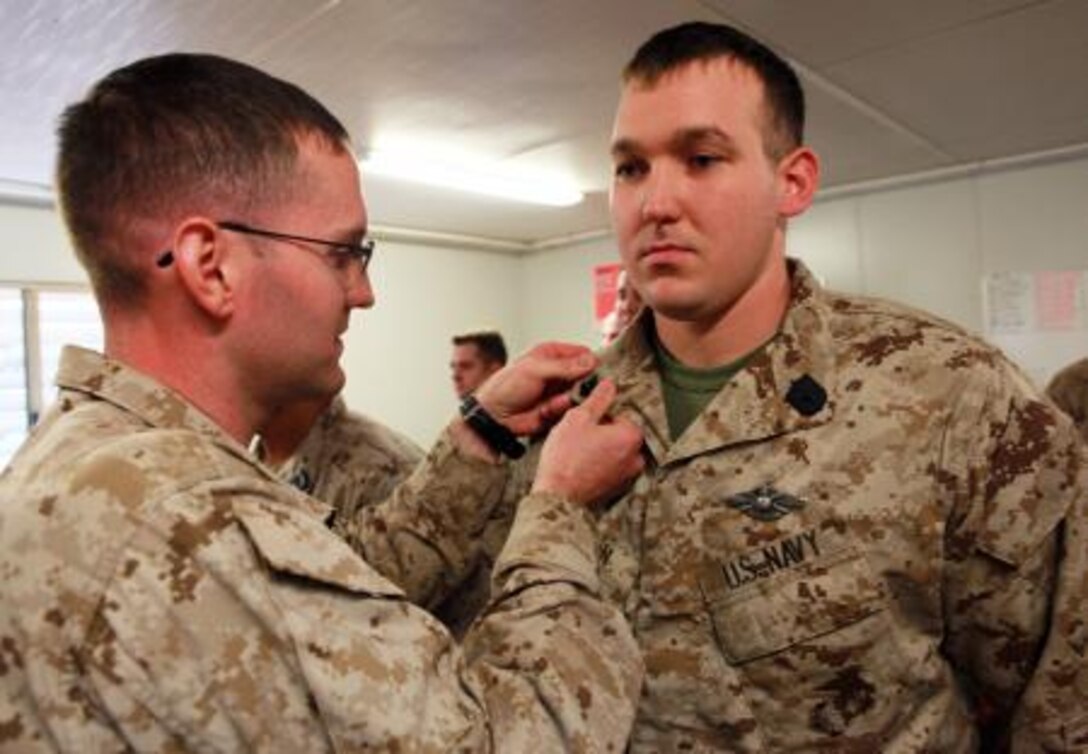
x,y
334,383
677,308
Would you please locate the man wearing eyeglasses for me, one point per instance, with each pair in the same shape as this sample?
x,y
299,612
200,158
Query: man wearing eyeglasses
x,y
162,590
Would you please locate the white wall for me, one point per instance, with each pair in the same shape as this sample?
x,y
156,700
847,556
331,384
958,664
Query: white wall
x,y
932,246
397,354
557,292
36,248
916,245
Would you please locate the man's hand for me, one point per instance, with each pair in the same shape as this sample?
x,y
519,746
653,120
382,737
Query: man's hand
x,y
588,457
532,392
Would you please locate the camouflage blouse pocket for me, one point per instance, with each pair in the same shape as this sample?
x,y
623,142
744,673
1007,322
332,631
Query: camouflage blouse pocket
x,y
293,543
755,615
818,648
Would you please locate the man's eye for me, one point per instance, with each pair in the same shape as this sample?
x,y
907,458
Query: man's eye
x,y
629,169
702,161
342,257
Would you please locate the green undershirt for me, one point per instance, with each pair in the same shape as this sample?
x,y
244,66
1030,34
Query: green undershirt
x,y
688,390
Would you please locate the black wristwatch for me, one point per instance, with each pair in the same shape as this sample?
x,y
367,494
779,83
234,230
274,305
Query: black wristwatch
x,y
501,439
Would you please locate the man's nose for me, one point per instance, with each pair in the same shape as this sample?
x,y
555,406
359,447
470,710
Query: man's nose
x,y
658,197
360,293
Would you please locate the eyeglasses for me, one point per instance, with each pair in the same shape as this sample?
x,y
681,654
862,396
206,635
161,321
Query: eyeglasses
x,y
341,253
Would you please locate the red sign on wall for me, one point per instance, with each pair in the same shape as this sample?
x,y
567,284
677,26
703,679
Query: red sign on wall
x,y
605,280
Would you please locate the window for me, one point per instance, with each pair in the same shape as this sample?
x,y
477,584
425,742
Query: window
x,y
34,324
13,403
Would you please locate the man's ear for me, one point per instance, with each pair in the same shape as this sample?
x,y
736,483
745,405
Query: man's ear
x,y
799,177
203,260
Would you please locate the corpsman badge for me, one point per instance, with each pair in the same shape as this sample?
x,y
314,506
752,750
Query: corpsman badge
x,y
765,503
301,480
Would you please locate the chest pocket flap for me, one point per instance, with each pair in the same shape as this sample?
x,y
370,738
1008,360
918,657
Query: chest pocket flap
x,y
771,615
294,542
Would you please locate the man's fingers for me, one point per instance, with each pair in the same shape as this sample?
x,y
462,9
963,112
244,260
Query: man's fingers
x,y
554,407
598,402
566,369
556,361
638,461
559,350
544,371
548,412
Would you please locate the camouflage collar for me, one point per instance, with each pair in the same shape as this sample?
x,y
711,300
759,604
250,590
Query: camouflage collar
x,y
786,387
629,361
94,374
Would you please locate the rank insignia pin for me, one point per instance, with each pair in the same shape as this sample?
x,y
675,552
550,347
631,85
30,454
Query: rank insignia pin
x,y
301,480
765,503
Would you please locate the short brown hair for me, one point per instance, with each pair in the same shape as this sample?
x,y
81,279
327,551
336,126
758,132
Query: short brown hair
x,y
489,343
175,133
676,47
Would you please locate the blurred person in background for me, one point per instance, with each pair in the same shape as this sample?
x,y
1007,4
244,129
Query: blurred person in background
x,y
476,356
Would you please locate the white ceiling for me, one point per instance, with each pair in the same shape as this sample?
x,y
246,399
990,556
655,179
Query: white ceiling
x,y
896,87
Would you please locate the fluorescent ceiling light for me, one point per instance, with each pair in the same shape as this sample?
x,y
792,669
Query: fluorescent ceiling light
x,y
419,165
25,192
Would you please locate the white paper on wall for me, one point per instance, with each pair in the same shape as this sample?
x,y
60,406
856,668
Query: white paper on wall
x,y
1008,298
1040,319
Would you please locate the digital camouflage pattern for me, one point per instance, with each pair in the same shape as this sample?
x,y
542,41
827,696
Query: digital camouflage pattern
x,y
1069,391
875,534
465,603
163,591
350,462
356,464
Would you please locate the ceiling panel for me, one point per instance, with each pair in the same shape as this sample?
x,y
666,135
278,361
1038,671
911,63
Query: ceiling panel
x,y
828,31
499,79
856,146
894,87
1006,85
53,50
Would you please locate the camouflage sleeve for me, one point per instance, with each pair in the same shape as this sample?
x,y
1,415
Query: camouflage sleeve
x,y
467,601
350,479
1016,581
550,556
244,625
425,537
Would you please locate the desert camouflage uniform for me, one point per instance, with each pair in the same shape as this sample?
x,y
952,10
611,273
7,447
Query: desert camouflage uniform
x,y
350,462
1069,391
354,464
162,591
422,531
864,542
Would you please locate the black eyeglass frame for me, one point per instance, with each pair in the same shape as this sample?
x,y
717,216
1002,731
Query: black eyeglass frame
x,y
361,252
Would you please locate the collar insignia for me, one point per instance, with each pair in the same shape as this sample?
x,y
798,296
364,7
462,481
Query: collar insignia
x,y
301,480
765,503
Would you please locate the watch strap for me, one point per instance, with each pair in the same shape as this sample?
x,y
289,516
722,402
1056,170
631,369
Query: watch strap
x,y
497,436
